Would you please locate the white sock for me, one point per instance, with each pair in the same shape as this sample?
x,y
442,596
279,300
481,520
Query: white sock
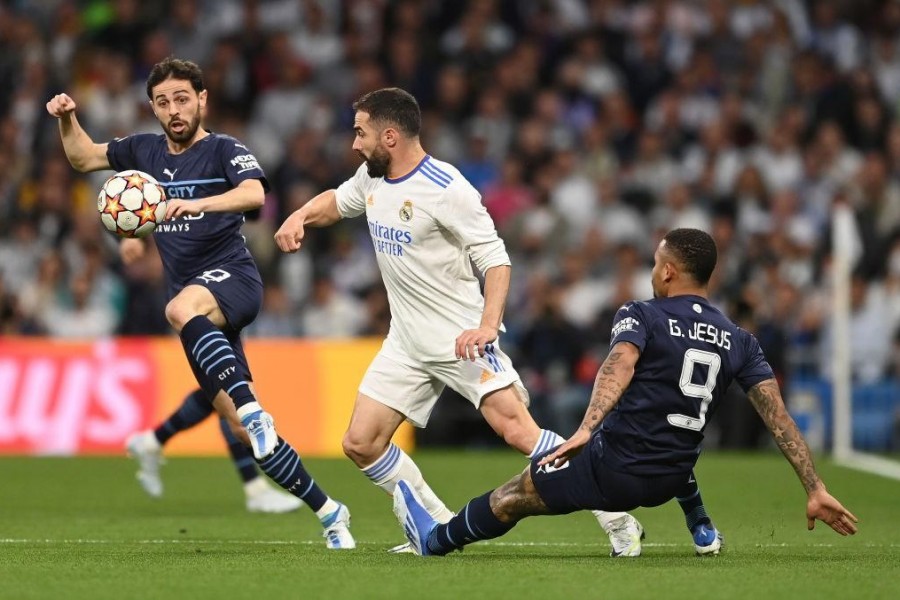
x,y
327,509
255,486
150,440
395,465
604,517
549,439
249,408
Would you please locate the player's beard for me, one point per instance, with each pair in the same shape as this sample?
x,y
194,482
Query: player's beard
x,y
379,163
187,134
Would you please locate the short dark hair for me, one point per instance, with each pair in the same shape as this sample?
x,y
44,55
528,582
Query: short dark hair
x,y
695,250
175,68
394,106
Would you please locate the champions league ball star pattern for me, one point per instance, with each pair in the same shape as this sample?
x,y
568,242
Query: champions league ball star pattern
x,y
131,204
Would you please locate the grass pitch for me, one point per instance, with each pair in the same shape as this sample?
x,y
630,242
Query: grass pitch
x,y
81,528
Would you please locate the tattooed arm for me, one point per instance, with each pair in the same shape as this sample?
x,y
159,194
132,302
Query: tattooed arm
x,y
766,399
613,378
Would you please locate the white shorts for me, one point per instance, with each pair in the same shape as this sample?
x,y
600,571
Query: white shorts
x,y
412,387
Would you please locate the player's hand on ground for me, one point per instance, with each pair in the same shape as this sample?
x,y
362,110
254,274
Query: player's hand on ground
x,y
568,449
290,234
472,343
180,208
131,250
60,105
823,506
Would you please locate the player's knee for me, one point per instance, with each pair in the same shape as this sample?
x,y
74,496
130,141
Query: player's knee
x,y
360,450
178,314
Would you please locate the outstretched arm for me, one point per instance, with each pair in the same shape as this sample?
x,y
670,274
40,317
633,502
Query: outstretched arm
x,y
83,154
766,399
613,378
321,211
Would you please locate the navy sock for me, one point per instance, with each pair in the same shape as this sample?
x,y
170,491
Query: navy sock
x,y
194,409
475,522
286,469
240,455
691,503
211,351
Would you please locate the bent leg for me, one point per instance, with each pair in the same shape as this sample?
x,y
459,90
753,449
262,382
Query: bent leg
x,y
506,411
193,410
490,515
707,539
367,443
283,465
195,314
368,436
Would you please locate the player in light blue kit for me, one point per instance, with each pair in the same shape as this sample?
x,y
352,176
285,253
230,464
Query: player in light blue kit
x,y
215,289
671,360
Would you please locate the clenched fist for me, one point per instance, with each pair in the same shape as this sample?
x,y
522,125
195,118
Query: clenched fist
x,y
60,105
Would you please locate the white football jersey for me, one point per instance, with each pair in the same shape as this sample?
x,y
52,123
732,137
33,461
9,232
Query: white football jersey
x,y
426,226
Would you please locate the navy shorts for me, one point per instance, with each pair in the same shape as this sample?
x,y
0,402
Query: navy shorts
x,y
236,286
587,483
238,290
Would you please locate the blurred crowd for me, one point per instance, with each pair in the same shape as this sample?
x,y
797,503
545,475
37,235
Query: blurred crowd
x,y
590,127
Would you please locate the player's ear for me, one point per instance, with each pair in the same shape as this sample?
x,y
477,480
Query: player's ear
x,y
202,98
669,271
389,137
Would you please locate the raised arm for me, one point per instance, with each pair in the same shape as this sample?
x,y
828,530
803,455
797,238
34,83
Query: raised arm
x,y
83,154
612,380
766,399
321,211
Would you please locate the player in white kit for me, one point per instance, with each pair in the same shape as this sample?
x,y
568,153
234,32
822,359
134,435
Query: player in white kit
x,y
428,227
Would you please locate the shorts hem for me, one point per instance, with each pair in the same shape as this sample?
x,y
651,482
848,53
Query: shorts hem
x,y
378,398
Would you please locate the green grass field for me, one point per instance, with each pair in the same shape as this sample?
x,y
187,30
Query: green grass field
x,y
81,528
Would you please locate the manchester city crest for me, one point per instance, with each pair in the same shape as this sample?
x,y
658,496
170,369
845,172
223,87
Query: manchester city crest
x,y
406,211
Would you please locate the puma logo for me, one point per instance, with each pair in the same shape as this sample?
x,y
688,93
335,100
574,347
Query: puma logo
x,y
171,174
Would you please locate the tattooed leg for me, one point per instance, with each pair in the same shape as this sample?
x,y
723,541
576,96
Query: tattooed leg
x,y
489,516
517,499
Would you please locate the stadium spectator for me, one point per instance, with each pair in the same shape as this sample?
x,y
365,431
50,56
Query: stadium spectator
x,y
764,107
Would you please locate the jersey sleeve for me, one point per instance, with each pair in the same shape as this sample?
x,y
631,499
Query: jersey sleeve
x,y
121,152
351,195
240,164
630,325
463,215
754,368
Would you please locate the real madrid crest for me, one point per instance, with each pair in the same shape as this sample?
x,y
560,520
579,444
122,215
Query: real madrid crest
x,y
406,211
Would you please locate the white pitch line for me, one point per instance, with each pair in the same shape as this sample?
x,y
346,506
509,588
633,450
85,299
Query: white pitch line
x,y
387,543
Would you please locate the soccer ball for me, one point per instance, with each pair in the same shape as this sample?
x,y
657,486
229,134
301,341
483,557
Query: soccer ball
x,y
131,204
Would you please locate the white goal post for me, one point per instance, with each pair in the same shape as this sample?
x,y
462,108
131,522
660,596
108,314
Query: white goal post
x,y
844,254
